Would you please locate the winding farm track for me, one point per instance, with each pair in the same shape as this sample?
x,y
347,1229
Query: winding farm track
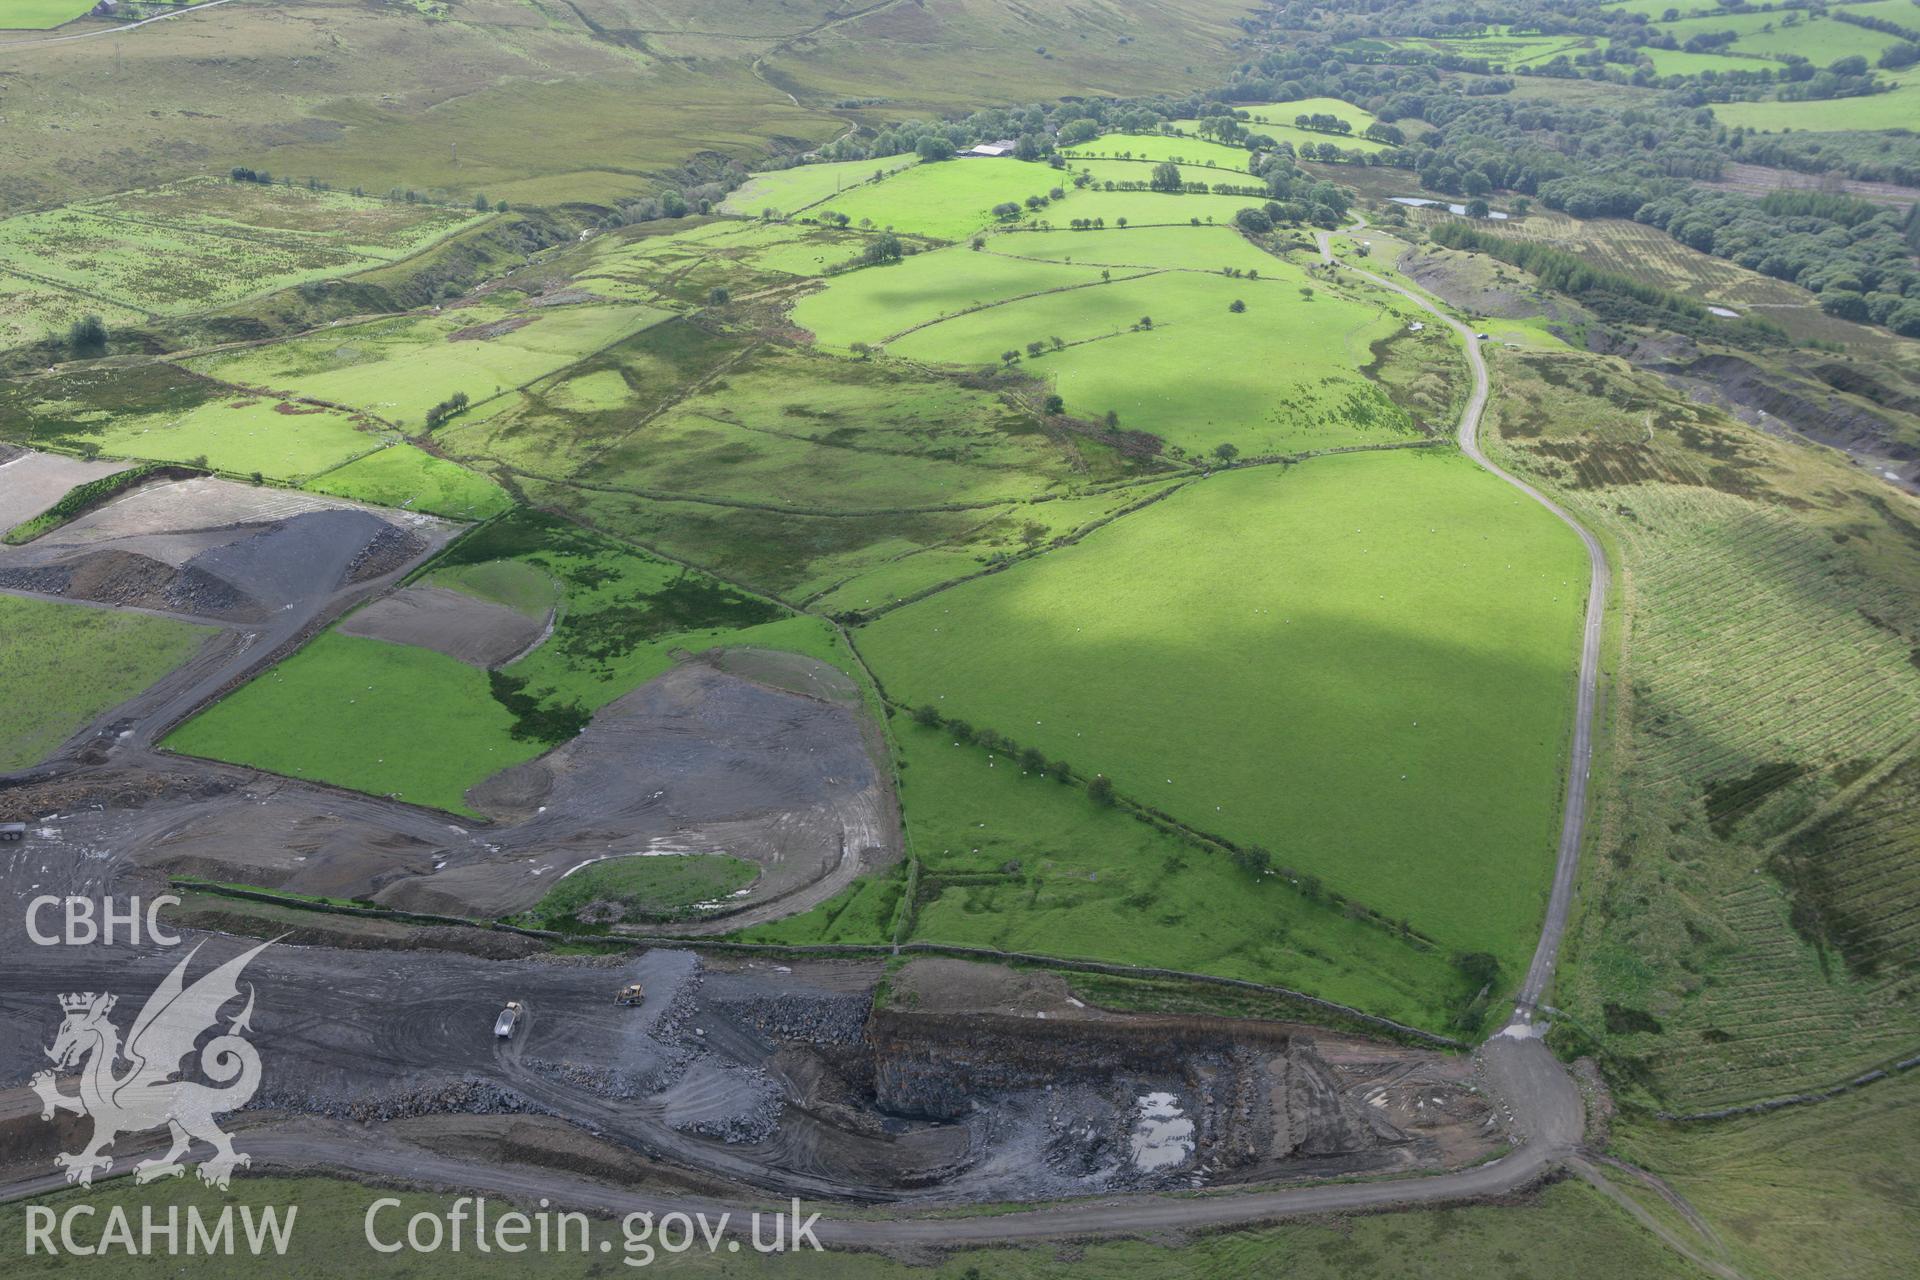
x,y
1518,1071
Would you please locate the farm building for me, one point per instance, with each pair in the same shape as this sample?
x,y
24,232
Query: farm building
x,y
1004,147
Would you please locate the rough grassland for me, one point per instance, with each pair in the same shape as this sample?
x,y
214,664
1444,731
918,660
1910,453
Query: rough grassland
x,y
792,431
1768,636
1824,1190
1363,663
1015,860
194,246
41,703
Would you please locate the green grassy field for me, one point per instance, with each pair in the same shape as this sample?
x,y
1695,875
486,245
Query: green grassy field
x,y
399,368
1895,109
39,15
1160,146
1118,172
1342,661
948,201
1820,40
1112,362
41,704
875,304
1567,1229
633,889
1014,860
790,191
395,719
161,413
401,475
1143,208
1142,248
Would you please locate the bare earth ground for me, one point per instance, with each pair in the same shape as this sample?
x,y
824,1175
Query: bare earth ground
x,y
476,632
31,482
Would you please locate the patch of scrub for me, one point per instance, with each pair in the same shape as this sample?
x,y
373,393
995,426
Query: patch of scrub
x,y
659,886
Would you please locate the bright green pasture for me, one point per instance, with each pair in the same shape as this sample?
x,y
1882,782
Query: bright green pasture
x,y
1820,40
400,368
1283,112
1118,171
1097,883
832,435
386,719
63,664
1280,377
1187,248
1895,109
1161,146
1144,208
389,718
1364,663
789,191
39,15
401,475
277,438
873,304
949,201
1678,62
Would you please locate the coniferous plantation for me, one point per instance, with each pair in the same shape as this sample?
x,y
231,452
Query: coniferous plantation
x,y
944,639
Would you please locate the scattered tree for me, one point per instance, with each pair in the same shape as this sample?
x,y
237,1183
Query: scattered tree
x,y
87,334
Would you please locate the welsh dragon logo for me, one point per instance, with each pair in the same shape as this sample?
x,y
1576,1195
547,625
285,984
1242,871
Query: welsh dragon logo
x,y
147,1095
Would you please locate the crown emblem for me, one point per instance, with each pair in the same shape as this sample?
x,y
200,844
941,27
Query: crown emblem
x,y
82,1003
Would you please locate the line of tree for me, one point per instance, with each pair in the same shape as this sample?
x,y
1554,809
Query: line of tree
x,y
448,408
